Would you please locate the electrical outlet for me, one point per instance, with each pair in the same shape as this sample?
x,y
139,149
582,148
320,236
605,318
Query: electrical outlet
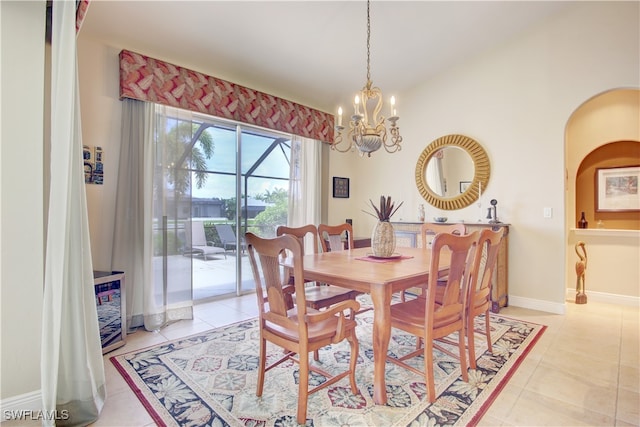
x,y
547,212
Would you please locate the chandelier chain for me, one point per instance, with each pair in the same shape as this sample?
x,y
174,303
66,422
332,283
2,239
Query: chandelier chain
x,y
368,46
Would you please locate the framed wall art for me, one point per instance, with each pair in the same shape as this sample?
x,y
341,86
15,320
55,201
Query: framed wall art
x,y
464,185
617,189
93,165
340,187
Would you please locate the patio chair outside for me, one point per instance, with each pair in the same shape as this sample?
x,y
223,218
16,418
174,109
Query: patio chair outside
x,y
228,237
197,243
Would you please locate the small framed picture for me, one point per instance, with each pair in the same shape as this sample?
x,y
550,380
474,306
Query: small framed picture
x,y
617,189
464,185
340,187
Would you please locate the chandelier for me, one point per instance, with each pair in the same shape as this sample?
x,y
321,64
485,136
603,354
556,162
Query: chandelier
x,y
367,129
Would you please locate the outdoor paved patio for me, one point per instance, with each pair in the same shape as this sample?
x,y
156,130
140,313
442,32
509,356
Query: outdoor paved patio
x,y
216,276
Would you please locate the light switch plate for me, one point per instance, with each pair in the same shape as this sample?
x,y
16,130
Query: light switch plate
x,y
547,212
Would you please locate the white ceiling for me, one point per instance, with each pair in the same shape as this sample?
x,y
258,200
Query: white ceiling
x,y
314,52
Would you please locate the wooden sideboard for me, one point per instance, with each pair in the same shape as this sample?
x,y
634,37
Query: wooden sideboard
x,y
358,242
408,235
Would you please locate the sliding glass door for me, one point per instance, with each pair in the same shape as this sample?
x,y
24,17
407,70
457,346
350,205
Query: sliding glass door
x,y
240,183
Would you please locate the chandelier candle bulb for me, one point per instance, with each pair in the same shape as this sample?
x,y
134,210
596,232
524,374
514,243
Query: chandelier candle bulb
x,y
356,103
392,104
339,116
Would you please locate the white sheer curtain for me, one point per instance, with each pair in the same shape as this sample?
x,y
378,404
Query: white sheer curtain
x,y
435,175
132,241
153,202
72,370
305,183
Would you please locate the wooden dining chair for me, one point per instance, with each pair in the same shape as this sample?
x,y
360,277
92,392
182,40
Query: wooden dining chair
x,y
333,237
428,231
479,297
298,330
428,320
321,295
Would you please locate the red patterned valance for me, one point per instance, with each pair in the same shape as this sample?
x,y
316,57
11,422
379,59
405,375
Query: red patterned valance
x,y
81,12
152,80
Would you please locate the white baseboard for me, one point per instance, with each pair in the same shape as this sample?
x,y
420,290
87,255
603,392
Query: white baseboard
x,y
559,308
537,304
25,402
606,298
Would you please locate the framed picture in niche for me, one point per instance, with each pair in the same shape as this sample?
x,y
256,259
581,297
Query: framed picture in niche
x,y
340,187
617,189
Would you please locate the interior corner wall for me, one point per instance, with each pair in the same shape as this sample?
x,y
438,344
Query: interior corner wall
x,y
99,82
21,188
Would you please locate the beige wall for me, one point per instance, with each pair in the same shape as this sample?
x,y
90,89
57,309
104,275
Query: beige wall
x,y
21,190
516,102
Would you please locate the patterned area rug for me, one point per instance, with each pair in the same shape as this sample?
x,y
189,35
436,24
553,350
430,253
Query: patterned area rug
x,y
209,379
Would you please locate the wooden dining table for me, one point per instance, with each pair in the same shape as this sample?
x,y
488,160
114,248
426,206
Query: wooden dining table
x,y
380,278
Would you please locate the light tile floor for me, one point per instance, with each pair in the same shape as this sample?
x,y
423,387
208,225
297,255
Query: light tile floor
x,y
585,369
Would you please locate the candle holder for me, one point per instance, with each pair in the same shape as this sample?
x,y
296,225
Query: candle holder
x,y
480,201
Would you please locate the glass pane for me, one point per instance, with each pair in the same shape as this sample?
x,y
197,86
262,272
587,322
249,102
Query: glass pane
x,y
223,153
214,206
276,162
265,169
171,209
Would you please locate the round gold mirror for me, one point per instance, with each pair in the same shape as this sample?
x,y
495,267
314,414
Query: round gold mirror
x,y
452,171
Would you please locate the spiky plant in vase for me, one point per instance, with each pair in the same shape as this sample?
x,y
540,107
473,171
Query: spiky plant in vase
x,y
385,211
383,238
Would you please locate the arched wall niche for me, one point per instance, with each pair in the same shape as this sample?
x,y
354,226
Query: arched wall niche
x,y
612,117
604,131
611,155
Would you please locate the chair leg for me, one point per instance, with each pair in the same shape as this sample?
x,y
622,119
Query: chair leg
x,y
303,388
471,341
353,342
262,363
462,349
487,327
316,356
428,370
